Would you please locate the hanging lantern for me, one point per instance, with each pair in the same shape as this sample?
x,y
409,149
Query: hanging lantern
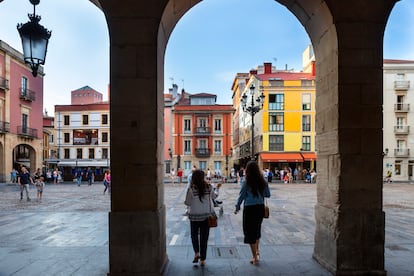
x,y
35,39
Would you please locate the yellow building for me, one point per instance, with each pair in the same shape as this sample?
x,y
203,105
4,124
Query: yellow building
x,y
284,127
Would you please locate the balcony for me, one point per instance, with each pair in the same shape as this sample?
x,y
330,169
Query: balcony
x,y
401,152
401,85
202,131
27,95
401,129
4,127
27,132
4,84
400,107
202,152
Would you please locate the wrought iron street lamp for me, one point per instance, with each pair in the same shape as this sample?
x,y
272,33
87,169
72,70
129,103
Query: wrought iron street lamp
x,y
252,109
35,39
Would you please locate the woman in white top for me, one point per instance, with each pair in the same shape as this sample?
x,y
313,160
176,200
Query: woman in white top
x,y
199,199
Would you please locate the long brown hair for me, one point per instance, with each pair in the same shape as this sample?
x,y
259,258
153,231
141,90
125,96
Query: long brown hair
x,y
197,180
254,179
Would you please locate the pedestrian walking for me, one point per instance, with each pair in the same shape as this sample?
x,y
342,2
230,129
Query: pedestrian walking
x,y
107,181
78,176
13,176
172,174
40,184
24,179
199,198
253,191
89,176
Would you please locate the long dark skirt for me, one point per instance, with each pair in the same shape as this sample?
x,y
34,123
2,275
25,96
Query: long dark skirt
x,y
252,222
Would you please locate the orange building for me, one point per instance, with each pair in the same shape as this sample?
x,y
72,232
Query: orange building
x,y
202,134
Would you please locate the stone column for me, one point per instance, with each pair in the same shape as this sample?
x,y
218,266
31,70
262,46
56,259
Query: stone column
x,y
350,222
137,239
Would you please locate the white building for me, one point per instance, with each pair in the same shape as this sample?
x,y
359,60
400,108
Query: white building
x,y
398,117
82,135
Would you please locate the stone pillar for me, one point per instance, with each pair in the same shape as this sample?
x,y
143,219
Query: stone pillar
x,y
137,239
350,223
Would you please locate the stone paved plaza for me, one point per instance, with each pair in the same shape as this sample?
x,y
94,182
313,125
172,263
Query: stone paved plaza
x,y
67,233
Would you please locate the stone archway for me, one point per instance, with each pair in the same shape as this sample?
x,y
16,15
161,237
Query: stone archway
x,y
347,39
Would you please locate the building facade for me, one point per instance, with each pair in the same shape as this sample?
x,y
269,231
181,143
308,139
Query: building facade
x,y
284,130
21,110
82,137
398,117
202,134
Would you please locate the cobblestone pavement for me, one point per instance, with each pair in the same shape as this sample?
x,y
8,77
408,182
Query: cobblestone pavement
x,y
67,233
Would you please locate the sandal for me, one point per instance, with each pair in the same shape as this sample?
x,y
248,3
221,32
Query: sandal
x,y
254,261
195,260
203,263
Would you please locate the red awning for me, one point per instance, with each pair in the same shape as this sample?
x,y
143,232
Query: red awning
x,y
281,157
309,156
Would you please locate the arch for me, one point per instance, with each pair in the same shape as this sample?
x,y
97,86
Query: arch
x,y
347,39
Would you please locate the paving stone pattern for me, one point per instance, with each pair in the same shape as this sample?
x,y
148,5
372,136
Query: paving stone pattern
x,y
67,233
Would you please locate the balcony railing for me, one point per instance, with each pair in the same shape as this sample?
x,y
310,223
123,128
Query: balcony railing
x,y
401,85
400,107
27,132
27,95
202,152
401,152
4,83
202,131
401,129
4,127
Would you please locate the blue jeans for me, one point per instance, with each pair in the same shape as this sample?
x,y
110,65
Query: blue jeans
x,y
79,179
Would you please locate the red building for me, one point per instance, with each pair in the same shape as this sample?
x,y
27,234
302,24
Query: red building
x,y
21,113
202,134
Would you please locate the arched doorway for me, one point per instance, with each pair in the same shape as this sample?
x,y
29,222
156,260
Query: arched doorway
x,y
348,46
24,155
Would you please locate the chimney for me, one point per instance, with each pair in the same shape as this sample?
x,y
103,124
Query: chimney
x,y
267,67
253,72
313,68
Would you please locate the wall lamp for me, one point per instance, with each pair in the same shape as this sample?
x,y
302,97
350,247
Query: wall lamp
x,y
35,39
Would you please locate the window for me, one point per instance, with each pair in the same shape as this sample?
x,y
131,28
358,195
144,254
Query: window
x,y
202,144
104,137
276,143
306,143
202,122
277,83
202,165
85,119
187,125
24,86
217,147
276,122
306,102
91,153
104,119
276,102
79,154
66,120
306,83
187,166
217,125
66,153
397,167
306,122
187,147
105,153
25,120
66,138
51,139
217,167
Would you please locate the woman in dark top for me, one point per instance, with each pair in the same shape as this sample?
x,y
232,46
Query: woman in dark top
x,y
253,191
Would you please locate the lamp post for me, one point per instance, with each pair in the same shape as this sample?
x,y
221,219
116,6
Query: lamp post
x,y
252,109
35,39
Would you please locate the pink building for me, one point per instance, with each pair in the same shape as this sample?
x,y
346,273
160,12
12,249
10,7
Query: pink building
x,y
86,95
21,113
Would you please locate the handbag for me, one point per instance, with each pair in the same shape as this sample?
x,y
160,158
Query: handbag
x,y
212,218
266,210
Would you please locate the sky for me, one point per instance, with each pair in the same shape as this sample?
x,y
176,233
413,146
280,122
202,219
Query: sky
x,y
213,42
